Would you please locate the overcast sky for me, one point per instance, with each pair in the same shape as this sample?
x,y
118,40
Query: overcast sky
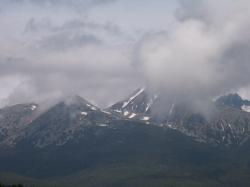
x,y
104,49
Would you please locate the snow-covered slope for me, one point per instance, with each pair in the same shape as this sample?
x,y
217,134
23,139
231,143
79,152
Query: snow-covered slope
x,y
137,106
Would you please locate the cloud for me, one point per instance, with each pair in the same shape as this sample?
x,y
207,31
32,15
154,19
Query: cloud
x,y
63,41
93,71
60,47
60,54
205,53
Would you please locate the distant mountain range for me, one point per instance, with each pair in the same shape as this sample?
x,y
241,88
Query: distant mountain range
x,y
229,124
73,135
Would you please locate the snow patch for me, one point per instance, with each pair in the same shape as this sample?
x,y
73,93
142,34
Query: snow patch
x,y
106,112
132,98
33,107
145,118
126,113
118,111
132,115
92,107
171,126
148,106
102,125
222,127
151,102
84,113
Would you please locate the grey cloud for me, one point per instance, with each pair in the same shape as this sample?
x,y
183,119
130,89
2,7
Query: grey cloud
x,y
78,24
35,25
64,41
192,9
204,55
62,52
95,75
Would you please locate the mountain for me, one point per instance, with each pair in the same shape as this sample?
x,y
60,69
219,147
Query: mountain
x,y
74,135
62,122
228,123
76,143
46,138
65,121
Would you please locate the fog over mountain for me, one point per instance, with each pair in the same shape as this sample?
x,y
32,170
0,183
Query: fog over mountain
x,y
191,50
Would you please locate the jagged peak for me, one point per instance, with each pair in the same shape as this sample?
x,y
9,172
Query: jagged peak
x,y
232,100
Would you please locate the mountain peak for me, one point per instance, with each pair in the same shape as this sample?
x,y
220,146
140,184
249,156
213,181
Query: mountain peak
x,y
233,100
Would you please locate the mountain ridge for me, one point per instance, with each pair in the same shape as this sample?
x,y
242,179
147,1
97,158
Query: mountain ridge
x,y
68,117
229,124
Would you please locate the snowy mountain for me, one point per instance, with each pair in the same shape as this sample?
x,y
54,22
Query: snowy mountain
x,y
68,120
229,123
62,122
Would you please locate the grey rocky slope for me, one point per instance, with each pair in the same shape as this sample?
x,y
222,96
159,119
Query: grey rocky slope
x,y
65,121
14,119
55,126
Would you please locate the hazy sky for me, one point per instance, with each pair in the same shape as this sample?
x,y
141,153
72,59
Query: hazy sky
x,y
104,49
